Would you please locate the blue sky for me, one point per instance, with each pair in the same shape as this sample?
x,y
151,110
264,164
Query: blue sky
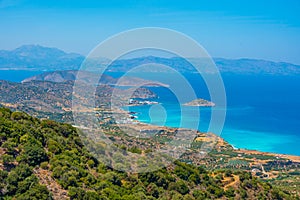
x,y
261,29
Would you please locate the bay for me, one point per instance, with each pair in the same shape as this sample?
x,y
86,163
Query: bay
x,y
262,111
17,75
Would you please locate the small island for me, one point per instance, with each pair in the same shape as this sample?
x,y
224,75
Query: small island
x,y
200,103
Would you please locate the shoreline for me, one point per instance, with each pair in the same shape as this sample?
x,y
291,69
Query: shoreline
x,y
292,157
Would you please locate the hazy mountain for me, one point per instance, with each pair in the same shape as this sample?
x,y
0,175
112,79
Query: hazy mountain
x,y
254,66
35,57
237,66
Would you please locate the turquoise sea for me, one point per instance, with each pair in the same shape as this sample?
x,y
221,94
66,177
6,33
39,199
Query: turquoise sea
x,y
263,111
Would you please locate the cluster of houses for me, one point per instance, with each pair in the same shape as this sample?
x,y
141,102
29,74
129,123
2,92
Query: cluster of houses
x,y
138,102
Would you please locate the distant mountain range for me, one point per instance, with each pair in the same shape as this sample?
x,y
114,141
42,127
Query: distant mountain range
x,y
35,57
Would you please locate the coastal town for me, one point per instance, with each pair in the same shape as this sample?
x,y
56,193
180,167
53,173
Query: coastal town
x,y
136,102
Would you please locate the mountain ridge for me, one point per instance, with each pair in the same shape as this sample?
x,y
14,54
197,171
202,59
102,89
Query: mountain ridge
x,y
36,57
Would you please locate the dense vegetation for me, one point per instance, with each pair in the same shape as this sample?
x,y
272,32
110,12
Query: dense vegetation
x,y
35,153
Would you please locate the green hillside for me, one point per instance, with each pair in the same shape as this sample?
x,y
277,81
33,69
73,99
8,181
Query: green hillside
x,y
43,159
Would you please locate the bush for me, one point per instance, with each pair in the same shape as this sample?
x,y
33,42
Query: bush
x,y
24,185
38,192
135,150
19,116
33,155
198,194
44,165
216,191
180,187
152,190
229,192
113,178
17,175
76,193
91,163
7,159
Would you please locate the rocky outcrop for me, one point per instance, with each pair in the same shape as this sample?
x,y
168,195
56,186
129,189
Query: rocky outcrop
x,y
200,103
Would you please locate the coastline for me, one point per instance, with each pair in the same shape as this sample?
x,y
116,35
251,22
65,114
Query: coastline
x,y
294,158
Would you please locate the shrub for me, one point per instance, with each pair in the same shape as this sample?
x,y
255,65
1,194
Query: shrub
x,y
33,155
7,159
229,192
180,187
44,165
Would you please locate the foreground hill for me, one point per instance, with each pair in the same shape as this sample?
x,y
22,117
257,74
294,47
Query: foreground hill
x,y
43,159
35,57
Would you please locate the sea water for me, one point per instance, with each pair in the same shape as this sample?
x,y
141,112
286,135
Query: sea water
x,y
17,75
263,111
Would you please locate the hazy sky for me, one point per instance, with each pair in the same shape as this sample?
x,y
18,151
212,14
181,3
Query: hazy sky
x,y
267,29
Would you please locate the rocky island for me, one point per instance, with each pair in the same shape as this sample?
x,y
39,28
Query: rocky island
x,y
200,103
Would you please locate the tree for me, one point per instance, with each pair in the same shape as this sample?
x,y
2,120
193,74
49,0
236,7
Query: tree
x,y
7,159
152,190
109,193
215,190
198,194
33,155
91,195
3,176
19,116
18,174
53,146
28,182
113,178
10,146
38,192
76,193
180,187
230,192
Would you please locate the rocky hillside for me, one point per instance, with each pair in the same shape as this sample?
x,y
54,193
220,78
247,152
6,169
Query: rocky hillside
x,y
54,100
71,75
43,159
